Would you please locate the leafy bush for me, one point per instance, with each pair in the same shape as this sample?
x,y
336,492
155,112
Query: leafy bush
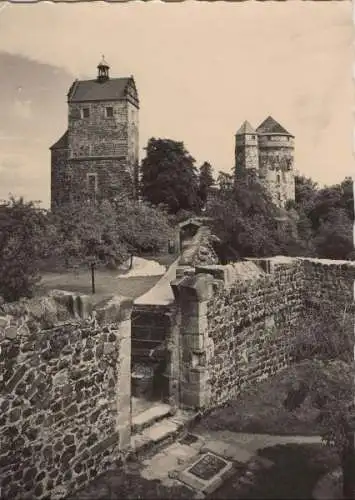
x,y
24,233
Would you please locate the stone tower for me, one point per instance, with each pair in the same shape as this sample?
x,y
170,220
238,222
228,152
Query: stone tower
x,y
98,155
275,153
246,149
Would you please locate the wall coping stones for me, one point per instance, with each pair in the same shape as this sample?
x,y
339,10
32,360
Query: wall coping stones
x,y
60,308
116,309
198,288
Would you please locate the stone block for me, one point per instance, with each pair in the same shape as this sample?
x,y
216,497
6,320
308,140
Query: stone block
x,y
193,342
125,329
195,399
84,306
194,325
102,446
116,310
198,376
196,288
4,321
10,332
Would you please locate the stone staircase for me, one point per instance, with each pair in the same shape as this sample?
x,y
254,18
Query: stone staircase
x,y
158,426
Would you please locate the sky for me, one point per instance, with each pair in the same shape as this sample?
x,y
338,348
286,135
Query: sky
x,y
201,69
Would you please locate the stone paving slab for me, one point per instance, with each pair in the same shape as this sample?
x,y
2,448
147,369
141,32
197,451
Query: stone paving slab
x,y
231,452
253,442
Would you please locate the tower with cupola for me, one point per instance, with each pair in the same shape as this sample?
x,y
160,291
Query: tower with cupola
x,y
97,157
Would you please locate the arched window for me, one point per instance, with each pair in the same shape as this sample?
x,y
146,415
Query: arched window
x,y
278,178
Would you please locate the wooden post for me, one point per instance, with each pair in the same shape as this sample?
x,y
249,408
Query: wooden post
x,y
93,277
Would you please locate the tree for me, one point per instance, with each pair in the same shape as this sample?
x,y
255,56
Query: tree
x,y
205,181
24,241
325,219
169,176
324,350
244,217
305,190
225,181
108,232
142,227
333,239
86,232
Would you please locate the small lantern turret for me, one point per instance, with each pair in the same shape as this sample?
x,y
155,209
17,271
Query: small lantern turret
x,y
103,70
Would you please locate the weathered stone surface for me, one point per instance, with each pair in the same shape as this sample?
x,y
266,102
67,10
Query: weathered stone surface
x,y
116,309
61,400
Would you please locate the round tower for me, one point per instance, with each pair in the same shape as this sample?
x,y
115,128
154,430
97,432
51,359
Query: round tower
x,y
246,150
276,161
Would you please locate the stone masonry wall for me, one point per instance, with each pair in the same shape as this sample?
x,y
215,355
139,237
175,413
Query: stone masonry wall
x,y
65,393
59,177
237,321
200,249
250,323
329,280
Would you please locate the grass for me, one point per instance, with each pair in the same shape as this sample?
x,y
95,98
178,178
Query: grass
x,y
107,282
297,469
260,409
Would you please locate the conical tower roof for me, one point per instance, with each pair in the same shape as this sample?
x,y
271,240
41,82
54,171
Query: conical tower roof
x,y
246,128
271,126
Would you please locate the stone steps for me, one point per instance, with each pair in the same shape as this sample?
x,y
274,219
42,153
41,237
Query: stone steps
x,y
150,416
161,433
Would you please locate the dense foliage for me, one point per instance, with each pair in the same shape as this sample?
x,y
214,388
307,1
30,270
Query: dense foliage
x,y
169,176
24,235
109,232
324,349
325,218
318,224
205,181
244,217
33,240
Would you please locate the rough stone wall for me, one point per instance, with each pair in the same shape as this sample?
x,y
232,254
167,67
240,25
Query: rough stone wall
x,y
329,280
98,135
249,324
199,250
238,321
65,393
246,153
276,162
272,158
60,184
112,174
105,146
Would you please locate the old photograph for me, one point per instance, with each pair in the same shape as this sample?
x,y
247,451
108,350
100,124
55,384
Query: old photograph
x,y
177,259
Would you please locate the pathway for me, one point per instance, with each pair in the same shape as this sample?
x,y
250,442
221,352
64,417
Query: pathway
x,y
238,447
161,293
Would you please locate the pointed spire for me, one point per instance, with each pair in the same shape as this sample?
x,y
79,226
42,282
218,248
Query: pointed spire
x,y
271,126
246,128
103,70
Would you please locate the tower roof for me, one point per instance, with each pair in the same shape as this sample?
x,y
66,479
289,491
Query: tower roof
x,y
103,63
62,143
246,128
271,126
112,89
